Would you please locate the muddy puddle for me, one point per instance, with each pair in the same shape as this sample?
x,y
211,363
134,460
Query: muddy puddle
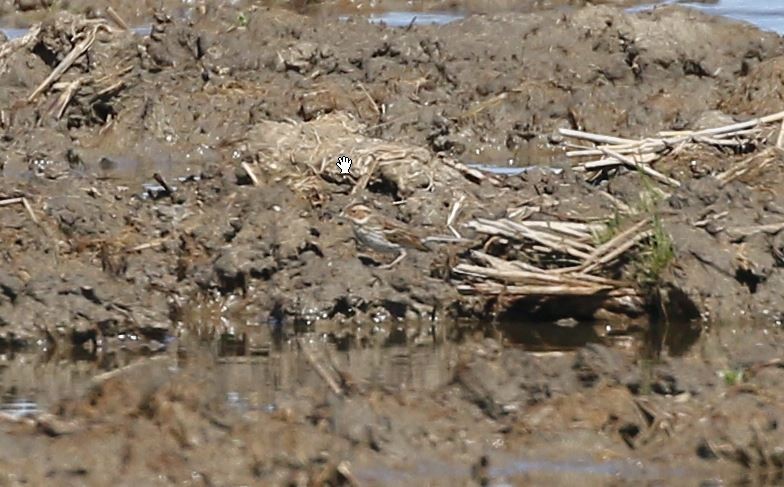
x,y
476,410
280,379
249,376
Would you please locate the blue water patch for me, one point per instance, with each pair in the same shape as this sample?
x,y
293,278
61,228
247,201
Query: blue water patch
x,y
19,407
765,14
404,19
14,33
513,171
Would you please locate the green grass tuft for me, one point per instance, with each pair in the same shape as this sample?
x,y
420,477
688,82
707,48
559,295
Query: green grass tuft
x,y
656,255
732,376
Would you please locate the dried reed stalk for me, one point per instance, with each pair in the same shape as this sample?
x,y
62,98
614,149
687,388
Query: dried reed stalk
x,y
639,154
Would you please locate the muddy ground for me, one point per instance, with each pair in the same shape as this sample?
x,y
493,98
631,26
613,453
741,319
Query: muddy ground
x,y
181,187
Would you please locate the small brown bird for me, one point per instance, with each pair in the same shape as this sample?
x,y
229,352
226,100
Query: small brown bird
x,y
381,234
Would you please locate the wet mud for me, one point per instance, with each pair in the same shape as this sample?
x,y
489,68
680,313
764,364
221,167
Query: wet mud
x,y
172,215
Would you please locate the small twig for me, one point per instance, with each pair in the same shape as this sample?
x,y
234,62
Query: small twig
x,y
65,97
611,256
344,469
25,204
609,250
740,168
251,173
489,288
605,163
622,207
10,201
101,378
450,219
115,17
319,368
740,233
780,138
370,98
30,211
602,139
66,63
365,179
148,245
776,117
508,228
643,167
473,174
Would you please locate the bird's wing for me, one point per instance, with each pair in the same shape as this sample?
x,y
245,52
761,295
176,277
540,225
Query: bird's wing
x,y
401,236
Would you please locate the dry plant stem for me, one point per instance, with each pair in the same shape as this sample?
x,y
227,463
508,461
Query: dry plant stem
x,y
489,288
30,211
740,233
776,117
453,213
605,163
780,137
370,98
602,139
251,174
744,166
644,168
147,245
621,237
26,204
101,378
644,151
10,201
65,97
623,240
319,368
554,274
508,228
344,468
623,208
577,230
518,276
115,17
467,171
66,63
611,256
365,179
546,238
575,275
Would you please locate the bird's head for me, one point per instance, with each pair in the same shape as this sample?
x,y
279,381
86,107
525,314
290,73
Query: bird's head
x,y
359,214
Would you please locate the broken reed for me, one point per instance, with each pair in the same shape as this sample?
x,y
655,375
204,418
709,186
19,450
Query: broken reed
x,y
640,154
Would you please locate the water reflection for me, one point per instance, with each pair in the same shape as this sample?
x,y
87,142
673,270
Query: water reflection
x,y
262,382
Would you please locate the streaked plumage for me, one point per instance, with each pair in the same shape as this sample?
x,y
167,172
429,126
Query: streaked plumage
x,y
381,234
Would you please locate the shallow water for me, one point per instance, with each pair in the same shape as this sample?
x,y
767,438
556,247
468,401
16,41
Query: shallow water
x,y
405,19
268,378
765,14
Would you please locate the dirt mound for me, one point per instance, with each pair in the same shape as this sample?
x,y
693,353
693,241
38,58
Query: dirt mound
x,y
133,182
